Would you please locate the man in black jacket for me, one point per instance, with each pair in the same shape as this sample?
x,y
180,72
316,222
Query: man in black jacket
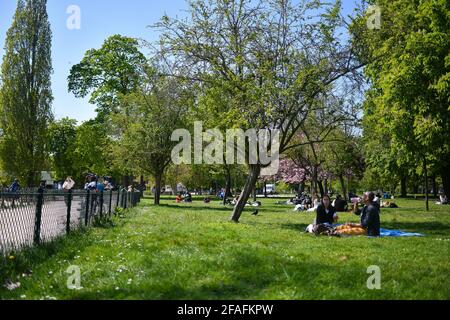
x,y
370,215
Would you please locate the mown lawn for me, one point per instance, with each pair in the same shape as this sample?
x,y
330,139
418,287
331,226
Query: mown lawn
x,y
193,252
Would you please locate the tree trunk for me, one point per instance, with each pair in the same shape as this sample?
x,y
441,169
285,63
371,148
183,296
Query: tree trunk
x,y
265,189
321,189
403,191
127,181
434,186
415,187
228,186
425,170
302,188
344,190
158,180
326,186
31,179
445,175
254,171
314,182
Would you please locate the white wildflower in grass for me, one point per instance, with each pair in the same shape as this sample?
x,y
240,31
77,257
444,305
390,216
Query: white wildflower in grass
x,y
11,286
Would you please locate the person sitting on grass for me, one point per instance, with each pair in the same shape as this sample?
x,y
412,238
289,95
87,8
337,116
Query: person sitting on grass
x,y
340,204
326,213
188,197
442,199
370,215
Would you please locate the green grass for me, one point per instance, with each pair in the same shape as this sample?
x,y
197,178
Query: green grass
x,y
193,252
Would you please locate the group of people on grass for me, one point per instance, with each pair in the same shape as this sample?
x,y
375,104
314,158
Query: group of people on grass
x,y
184,197
327,217
304,202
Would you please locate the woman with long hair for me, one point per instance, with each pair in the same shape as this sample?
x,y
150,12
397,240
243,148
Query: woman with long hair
x,y
326,213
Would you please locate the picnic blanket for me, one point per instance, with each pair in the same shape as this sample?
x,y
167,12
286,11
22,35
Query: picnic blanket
x,y
398,233
394,233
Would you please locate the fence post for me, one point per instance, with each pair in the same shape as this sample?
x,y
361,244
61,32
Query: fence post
x,y
38,217
101,204
69,208
118,199
86,218
110,202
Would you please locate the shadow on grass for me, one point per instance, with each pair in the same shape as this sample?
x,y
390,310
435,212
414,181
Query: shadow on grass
x,y
228,209
300,227
245,275
195,208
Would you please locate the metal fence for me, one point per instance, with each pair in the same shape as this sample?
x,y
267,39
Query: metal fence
x,y
31,218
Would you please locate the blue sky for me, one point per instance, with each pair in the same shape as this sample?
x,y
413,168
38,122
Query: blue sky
x,y
99,20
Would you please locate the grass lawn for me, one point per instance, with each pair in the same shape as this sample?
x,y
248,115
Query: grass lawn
x,y
193,252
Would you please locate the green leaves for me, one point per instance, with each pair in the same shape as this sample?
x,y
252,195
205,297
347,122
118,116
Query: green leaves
x,y
409,73
25,92
108,72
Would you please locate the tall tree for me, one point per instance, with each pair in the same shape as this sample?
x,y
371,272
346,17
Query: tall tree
x,y
108,72
147,119
274,58
25,94
62,140
410,76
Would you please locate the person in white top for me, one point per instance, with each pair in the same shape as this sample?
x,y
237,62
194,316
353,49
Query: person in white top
x,y
68,184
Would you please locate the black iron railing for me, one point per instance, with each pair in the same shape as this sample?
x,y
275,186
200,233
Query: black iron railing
x,y
29,218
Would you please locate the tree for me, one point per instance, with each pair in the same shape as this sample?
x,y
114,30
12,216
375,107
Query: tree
x,y
92,151
269,56
345,158
107,73
410,78
25,94
147,120
62,140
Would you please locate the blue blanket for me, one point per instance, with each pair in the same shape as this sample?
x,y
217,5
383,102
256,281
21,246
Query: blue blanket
x,y
398,233
393,233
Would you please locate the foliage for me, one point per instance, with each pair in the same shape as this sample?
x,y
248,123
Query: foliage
x,y
62,139
107,73
407,107
25,93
